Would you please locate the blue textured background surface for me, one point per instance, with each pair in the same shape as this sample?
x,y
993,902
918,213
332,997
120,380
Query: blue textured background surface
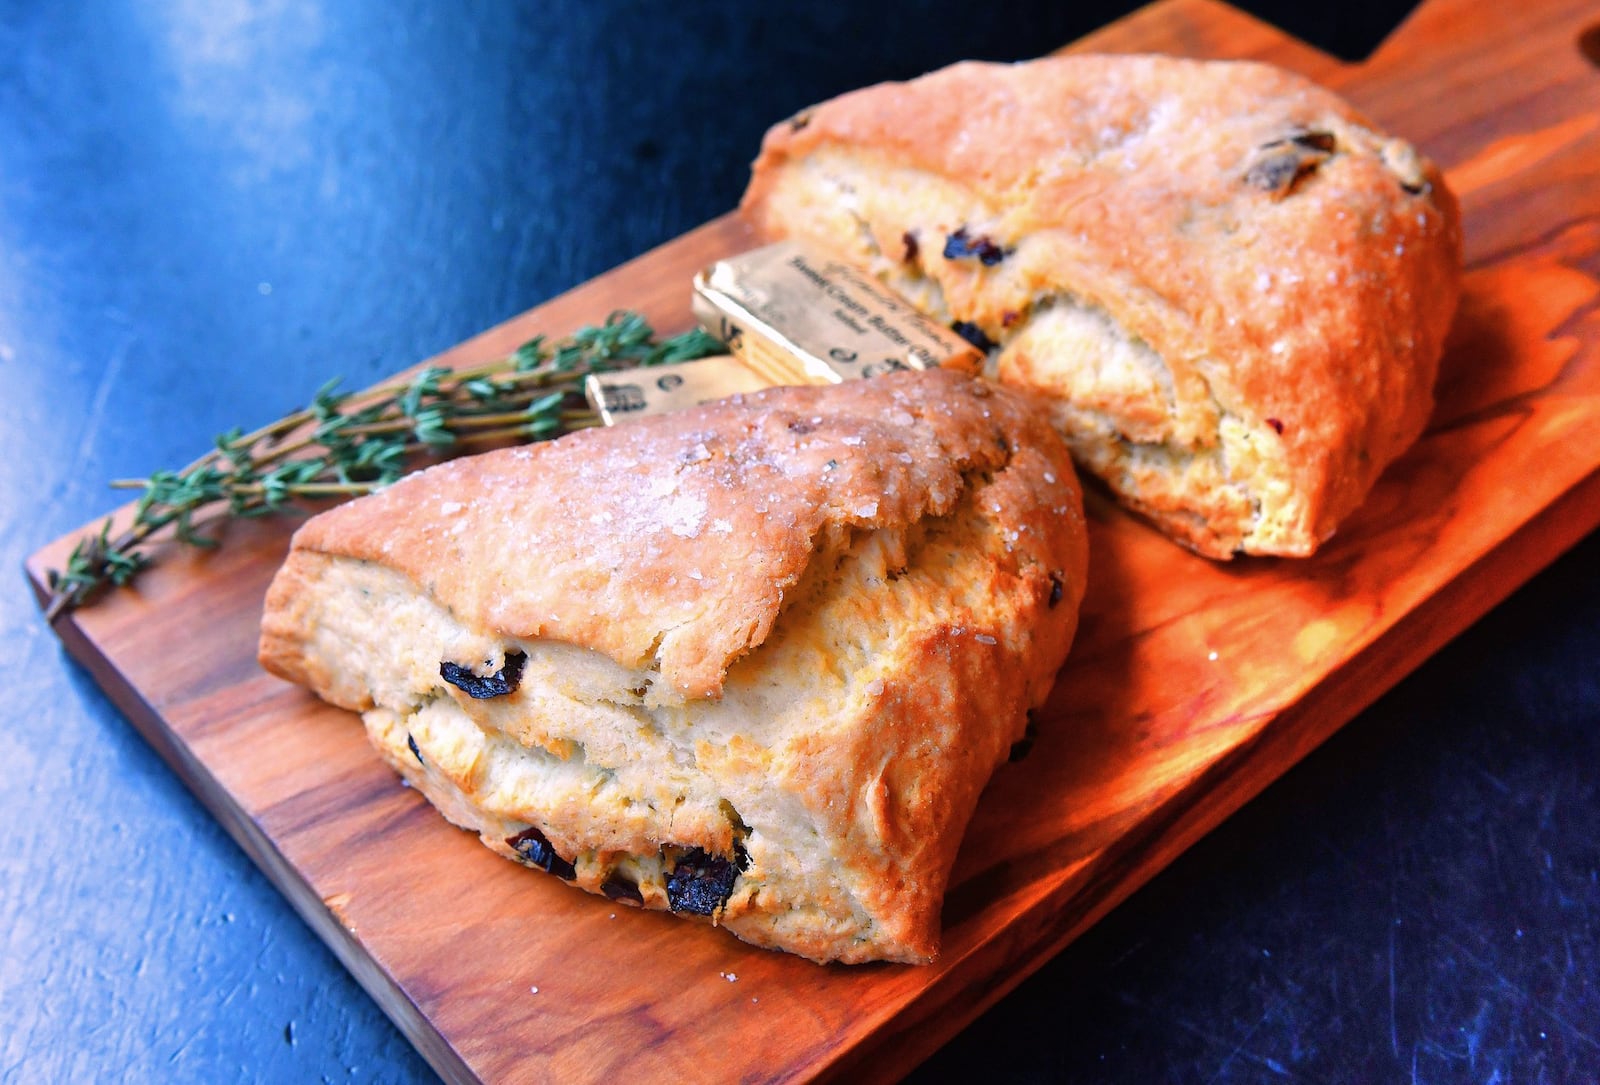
x,y
208,208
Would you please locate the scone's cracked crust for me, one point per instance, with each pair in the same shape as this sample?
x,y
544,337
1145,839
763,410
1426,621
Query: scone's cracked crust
x,y
753,661
1236,289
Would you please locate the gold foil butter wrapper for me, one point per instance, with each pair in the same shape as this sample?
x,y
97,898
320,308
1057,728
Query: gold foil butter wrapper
x,y
797,315
634,393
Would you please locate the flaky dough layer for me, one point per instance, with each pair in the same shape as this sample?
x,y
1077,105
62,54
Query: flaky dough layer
x,y
1234,288
753,661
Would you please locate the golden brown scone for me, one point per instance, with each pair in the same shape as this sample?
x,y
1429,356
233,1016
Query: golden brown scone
x,y
752,661
1235,289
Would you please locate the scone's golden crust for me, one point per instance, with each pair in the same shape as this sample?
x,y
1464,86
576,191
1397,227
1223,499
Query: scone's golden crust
x,y
1236,288
793,632
676,541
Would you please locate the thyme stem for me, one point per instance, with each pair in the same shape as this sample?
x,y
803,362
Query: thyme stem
x,y
351,443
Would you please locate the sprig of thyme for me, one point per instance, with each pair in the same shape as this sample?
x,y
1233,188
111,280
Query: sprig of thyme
x,y
348,443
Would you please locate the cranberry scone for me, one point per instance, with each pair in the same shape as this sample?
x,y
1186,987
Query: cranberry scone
x,y
752,661
1234,288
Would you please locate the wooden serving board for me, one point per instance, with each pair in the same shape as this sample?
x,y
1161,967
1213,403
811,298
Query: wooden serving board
x,y
1192,685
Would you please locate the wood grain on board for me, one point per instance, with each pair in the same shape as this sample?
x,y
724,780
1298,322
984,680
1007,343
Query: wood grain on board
x,y
1191,687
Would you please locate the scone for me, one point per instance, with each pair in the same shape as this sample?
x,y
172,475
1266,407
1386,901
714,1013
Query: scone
x,y
1235,290
752,661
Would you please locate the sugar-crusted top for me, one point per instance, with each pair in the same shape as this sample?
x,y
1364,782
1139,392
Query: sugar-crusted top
x,y
674,538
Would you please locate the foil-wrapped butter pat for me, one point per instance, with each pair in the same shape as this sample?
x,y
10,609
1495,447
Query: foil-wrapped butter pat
x,y
634,393
791,315
800,315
